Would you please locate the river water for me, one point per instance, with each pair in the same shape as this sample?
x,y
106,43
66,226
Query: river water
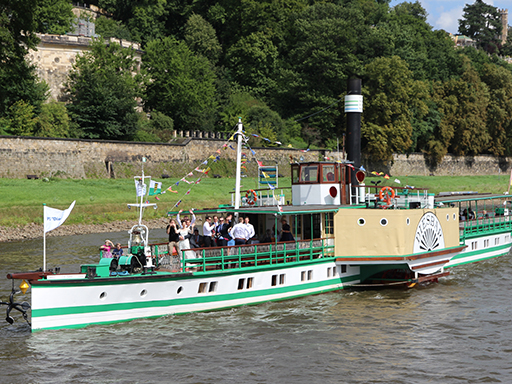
x,y
456,331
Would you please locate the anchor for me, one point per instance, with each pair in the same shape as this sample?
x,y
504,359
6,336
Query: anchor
x,y
21,307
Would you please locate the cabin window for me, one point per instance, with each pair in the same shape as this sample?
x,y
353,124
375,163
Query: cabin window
x,y
486,243
328,175
496,241
329,272
241,283
309,174
213,286
333,271
303,276
343,269
310,275
295,174
473,245
281,279
274,280
202,288
249,282
329,223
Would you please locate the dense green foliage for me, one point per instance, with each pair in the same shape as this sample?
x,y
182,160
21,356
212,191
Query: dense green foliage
x,y
280,65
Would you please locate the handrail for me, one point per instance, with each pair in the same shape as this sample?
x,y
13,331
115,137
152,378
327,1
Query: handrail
x,y
217,259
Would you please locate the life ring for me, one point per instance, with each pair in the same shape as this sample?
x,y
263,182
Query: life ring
x,y
251,197
388,192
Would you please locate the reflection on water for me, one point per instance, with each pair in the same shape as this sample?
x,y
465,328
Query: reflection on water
x,y
456,331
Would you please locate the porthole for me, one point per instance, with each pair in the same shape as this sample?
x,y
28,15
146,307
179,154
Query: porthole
x,y
447,217
383,222
56,59
103,295
179,290
361,221
454,216
408,221
143,293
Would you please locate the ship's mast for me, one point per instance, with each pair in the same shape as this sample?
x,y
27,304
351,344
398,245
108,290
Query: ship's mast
x,y
238,163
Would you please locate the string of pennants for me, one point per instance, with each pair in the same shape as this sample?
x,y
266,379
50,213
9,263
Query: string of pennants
x,y
195,176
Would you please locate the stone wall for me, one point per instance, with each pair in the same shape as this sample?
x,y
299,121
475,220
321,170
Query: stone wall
x,y
45,157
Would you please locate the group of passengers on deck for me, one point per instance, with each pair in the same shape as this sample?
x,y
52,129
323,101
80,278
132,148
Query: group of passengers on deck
x,y
218,232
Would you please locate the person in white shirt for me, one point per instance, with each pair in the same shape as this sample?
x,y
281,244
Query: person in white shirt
x,y
239,232
208,227
250,230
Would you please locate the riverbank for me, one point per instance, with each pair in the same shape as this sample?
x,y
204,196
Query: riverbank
x,y
35,231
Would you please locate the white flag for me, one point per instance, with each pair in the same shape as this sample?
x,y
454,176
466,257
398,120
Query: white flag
x,y
55,217
140,187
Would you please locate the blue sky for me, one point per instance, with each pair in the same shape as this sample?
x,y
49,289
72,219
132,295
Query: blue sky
x,y
444,14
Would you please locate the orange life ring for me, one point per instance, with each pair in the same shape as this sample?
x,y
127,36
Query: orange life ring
x,y
251,197
389,192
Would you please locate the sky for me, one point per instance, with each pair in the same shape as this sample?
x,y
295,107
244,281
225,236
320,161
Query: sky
x,y
444,14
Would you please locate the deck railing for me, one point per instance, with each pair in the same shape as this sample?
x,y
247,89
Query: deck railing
x,y
243,256
485,224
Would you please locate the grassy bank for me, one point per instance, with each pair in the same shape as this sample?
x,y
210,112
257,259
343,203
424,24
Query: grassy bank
x,y
101,201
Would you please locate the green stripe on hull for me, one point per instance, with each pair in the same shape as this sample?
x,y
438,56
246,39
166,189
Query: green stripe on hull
x,y
161,276
502,249
201,298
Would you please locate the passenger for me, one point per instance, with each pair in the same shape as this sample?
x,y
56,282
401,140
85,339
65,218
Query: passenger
x,y
239,232
250,230
225,230
286,232
118,251
268,237
174,237
186,218
471,214
196,241
107,249
208,228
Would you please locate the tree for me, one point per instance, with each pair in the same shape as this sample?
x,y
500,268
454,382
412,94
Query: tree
x,y
482,23
53,121
103,90
18,78
107,27
463,104
180,83
253,61
499,110
392,98
22,119
201,38
54,16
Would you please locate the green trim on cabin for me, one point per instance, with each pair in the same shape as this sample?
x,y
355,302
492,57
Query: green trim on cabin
x,y
200,298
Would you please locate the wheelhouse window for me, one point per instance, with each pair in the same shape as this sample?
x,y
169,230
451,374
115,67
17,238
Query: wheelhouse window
x,y
309,174
295,174
328,173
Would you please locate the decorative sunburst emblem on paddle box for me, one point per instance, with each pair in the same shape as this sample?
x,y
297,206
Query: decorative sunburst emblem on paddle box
x,y
429,234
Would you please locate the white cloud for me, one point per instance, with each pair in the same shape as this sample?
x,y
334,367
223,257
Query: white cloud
x,y
449,20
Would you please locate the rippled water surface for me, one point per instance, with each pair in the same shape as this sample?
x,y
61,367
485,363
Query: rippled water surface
x,y
456,331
